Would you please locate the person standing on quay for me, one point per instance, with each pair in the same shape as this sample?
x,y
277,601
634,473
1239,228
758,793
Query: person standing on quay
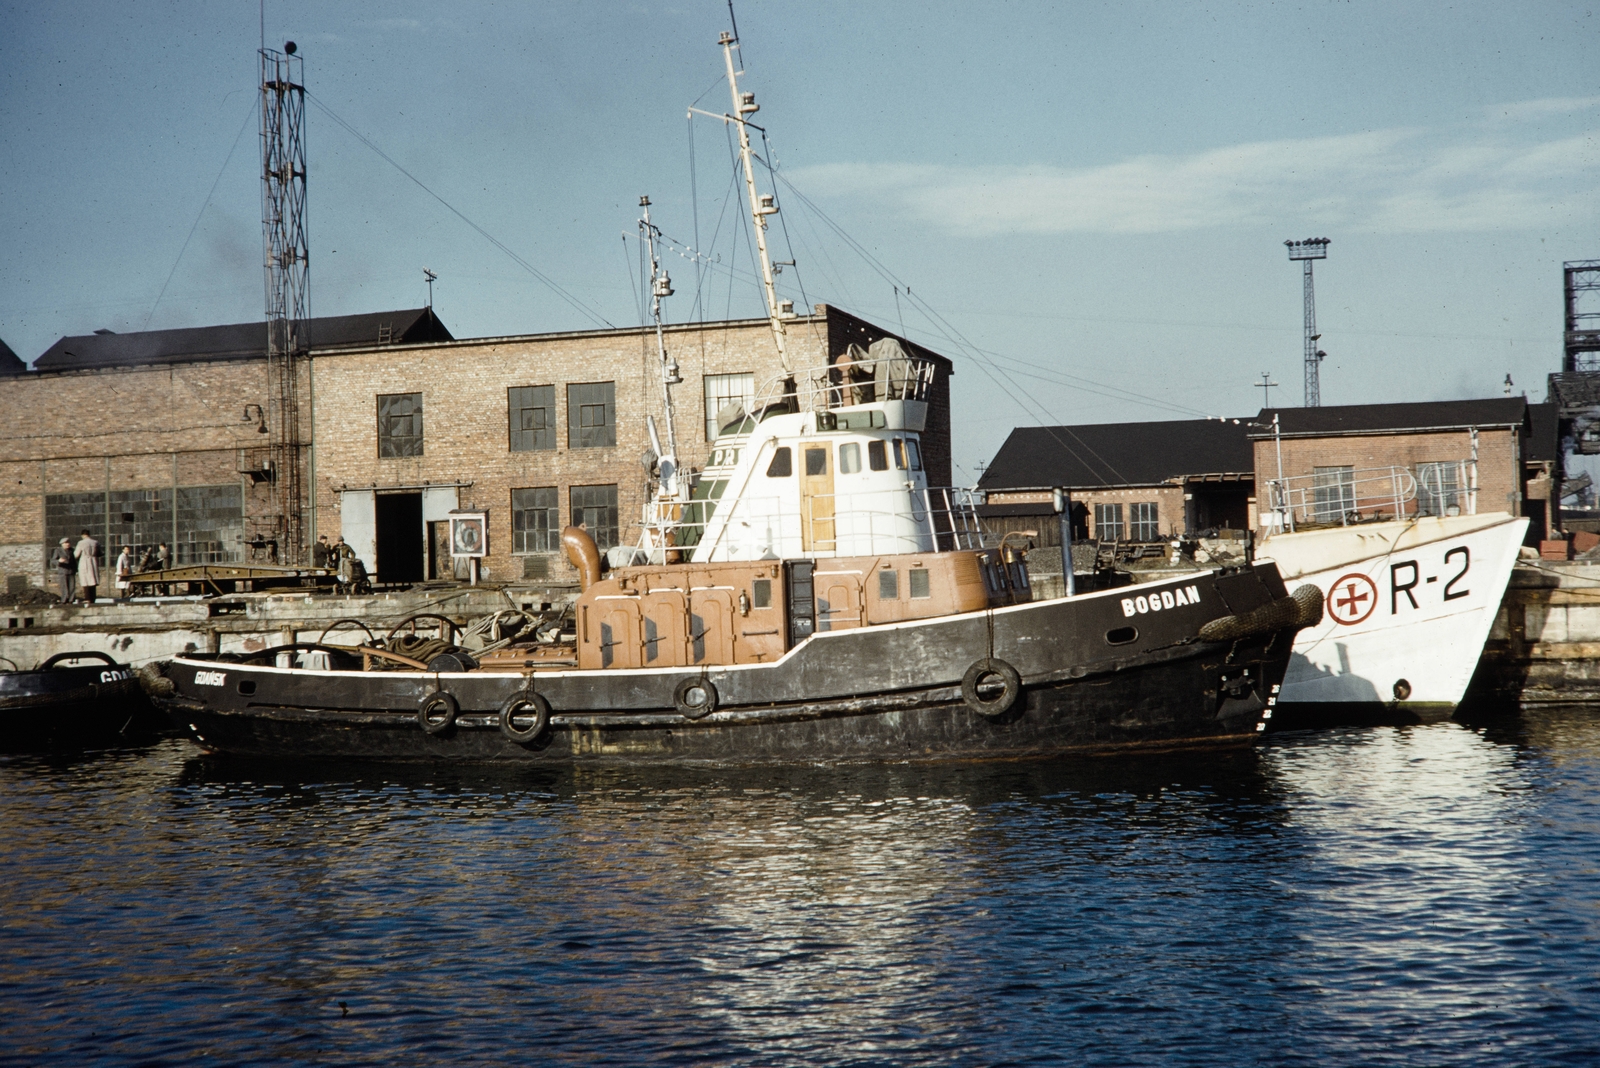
x,y
87,554
65,567
125,574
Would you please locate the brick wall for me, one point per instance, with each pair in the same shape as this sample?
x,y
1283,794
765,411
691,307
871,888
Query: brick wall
x,y
1499,465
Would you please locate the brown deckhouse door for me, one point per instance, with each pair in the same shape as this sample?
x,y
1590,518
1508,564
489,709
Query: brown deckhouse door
x,y
816,497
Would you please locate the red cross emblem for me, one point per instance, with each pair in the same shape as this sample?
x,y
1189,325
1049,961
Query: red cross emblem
x,y
1352,598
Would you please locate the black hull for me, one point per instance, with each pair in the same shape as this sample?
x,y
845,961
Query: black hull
x,y
82,707
884,693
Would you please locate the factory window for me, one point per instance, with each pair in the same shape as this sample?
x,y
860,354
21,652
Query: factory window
x,y
205,527
723,390
877,456
591,415
1438,489
1142,521
1333,489
535,520
1108,522
399,424
595,508
532,417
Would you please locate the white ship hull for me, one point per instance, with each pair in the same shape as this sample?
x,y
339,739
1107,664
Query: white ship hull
x,y
1407,608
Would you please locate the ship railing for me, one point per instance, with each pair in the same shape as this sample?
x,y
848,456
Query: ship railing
x,y
935,519
1346,495
843,384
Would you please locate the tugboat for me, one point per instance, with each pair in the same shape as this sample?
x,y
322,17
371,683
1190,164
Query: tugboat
x,y
71,700
808,597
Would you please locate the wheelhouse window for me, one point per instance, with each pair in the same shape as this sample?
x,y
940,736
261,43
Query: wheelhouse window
x,y
595,509
1108,522
849,458
535,520
888,585
1143,521
877,456
399,424
782,465
918,581
723,390
591,415
816,459
531,417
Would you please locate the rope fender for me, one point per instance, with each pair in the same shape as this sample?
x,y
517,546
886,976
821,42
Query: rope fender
x,y
1302,608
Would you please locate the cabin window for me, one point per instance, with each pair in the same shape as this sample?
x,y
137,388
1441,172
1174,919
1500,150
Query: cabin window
x,y
761,593
724,391
782,465
877,456
919,583
915,453
899,454
849,458
817,461
888,585
399,424
595,509
1144,522
591,415
531,418
535,520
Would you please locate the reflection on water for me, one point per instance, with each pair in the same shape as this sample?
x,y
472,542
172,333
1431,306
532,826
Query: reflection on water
x,y
1421,895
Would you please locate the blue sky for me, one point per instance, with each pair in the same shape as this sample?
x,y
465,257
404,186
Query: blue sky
x,y
1086,201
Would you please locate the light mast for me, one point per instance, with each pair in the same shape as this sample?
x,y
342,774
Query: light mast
x,y
661,286
761,204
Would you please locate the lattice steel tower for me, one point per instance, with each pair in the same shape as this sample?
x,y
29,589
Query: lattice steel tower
x,y
287,268
1312,248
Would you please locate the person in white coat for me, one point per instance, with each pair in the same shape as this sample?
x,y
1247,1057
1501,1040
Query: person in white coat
x,y
125,574
88,566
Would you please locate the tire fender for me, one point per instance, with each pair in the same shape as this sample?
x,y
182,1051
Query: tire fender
x,y
991,668
518,704
437,712
695,698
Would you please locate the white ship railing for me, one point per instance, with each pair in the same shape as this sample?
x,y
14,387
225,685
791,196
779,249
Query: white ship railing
x,y
840,385
1448,488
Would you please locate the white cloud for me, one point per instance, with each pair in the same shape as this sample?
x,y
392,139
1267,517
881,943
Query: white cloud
x,y
1398,180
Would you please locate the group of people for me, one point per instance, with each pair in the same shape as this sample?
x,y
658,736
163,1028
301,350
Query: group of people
x,y
342,558
80,565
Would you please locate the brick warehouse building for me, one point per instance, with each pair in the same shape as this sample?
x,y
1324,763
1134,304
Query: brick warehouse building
x,y
151,437
1150,481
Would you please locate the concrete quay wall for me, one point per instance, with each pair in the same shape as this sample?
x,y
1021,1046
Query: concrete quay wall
x,y
1545,643
142,631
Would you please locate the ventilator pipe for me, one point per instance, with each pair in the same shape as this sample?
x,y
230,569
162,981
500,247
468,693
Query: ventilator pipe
x,y
584,555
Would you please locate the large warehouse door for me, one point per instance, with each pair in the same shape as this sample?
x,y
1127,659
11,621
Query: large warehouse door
x,y
356,526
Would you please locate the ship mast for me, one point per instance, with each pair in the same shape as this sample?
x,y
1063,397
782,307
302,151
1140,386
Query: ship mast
x,y
661,286
762,204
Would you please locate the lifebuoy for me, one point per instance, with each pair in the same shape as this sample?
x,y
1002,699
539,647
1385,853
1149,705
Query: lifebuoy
x,y
988,669
518,704
437,712
695,698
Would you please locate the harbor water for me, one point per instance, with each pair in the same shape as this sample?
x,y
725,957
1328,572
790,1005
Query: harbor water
x,y
1426,895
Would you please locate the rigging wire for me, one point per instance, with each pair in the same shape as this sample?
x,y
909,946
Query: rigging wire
x,y
201,214
549,283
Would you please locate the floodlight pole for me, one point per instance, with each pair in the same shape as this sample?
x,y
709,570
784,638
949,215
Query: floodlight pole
x,y
1312,248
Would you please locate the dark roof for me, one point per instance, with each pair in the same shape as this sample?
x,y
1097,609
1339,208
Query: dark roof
x,y
1542,440
10,363
1118,454
1382,418
238,341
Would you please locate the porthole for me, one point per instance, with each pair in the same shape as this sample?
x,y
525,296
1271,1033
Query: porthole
x,y
1122,635
247,686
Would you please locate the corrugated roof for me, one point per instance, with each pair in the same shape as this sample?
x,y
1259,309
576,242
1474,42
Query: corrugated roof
x,y
236,341
1118,454
10,363
1378,418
